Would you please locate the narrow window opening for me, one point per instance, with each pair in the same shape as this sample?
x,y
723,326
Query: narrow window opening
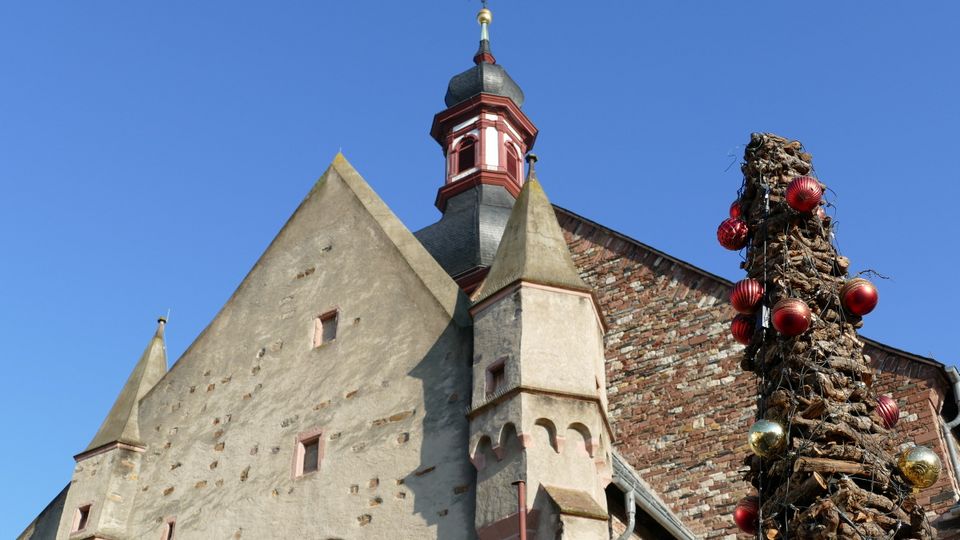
x,y
513,162
325,329
496,378
309,453
81,518
311,456
169,528
467,155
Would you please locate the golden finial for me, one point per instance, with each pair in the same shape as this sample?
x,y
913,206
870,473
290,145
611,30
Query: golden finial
x,y
484,16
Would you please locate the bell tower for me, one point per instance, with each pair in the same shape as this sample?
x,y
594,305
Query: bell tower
x,y
484,137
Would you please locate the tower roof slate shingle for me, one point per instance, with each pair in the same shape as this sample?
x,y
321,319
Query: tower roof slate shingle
x,y
532,248
121,424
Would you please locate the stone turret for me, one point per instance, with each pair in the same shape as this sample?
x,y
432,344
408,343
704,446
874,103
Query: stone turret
x,y
104,484
539,407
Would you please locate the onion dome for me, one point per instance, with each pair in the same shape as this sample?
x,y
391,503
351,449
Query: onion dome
x,y
486,77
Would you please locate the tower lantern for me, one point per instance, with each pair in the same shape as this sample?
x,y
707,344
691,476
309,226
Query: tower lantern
x,y
483,133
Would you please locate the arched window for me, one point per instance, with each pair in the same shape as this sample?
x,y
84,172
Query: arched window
x,y
513,162
466,154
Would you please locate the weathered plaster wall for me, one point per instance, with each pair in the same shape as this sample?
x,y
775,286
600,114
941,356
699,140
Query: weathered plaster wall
x,y
108,483
388,394
550,344
680,404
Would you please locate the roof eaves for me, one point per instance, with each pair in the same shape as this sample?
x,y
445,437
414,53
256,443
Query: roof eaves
x,y
724,281
648,501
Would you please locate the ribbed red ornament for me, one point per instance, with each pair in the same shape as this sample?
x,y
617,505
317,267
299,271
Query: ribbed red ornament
x,y
804,193
888,410
791,317
747,514
742,328
736,211
859,296
746,295
732,233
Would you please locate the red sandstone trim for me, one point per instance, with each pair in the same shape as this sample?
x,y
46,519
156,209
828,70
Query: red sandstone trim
x,y
480,176
299,451
471,279
106,448
473,413
521,123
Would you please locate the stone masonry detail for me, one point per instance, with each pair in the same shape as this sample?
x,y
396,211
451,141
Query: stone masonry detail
x,y
680,403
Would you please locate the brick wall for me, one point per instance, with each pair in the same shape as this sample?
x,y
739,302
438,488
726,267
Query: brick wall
x,y
679,402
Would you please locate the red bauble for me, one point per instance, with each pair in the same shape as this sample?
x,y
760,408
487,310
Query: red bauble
x,y
888,410
804,193
746,295
732,233
859,296
742,328
736,210
747,514
791,317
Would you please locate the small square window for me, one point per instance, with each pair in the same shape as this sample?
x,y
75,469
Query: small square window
x,y
496,378
325,328
169,528
309,453
81,518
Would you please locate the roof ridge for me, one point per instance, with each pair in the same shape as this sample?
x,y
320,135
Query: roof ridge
x,y
726,282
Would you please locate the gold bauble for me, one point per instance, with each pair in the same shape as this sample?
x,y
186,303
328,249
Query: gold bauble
x,y
920,465
767,438
485,16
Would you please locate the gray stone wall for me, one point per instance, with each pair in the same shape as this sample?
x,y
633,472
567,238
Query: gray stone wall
x,y
388,394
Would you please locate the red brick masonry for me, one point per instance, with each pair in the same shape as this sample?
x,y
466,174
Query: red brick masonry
x,y
680,404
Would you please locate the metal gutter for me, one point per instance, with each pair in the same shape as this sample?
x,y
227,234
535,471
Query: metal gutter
x,y
647,500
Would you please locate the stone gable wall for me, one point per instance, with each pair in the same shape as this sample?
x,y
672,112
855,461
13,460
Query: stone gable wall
x,y
387,396
679,402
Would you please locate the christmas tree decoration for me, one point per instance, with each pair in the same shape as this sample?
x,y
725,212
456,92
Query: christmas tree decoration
x,y
791,317
888,410
828,467
742,328
920,466
767,438
735,210
733,234
746,295
859,296
804,194
747,514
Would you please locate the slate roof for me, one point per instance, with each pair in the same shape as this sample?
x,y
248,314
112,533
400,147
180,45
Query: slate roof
x,y
467,235
486,77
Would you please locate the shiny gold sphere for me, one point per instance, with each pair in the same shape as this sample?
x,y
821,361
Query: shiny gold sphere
x,y
767,438
920,465
485,16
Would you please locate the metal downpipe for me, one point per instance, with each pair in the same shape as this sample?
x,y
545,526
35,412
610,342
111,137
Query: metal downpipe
x,y
630,504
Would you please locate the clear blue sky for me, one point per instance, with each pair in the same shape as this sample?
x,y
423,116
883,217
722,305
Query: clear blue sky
x,y
149,151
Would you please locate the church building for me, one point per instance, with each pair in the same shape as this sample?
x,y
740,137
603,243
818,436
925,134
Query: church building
x,y
512,371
